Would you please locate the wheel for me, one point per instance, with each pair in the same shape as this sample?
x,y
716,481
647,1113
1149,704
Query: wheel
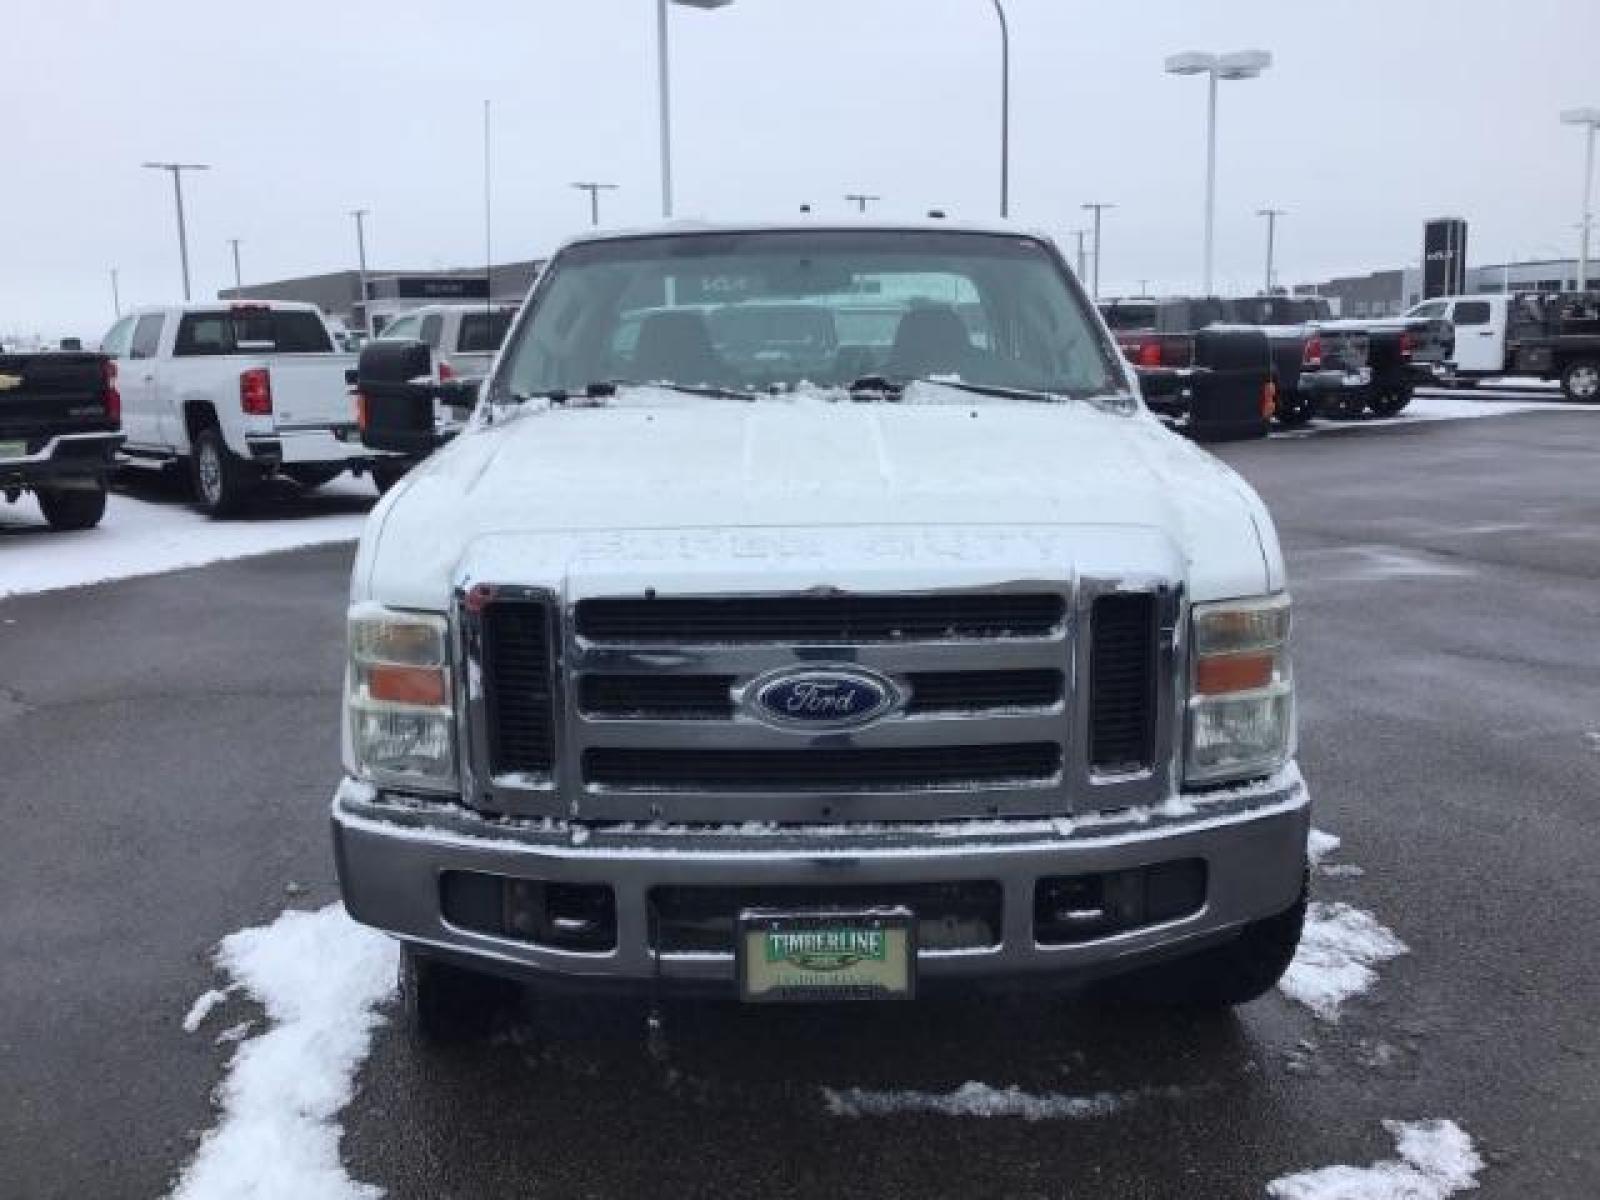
x,y
314,475
222,481
445,1003
1581,380
386,474
1345,408
1293,410
78,509
1234,973
1389,404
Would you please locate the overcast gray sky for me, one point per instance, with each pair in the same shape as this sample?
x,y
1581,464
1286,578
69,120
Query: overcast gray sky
x,y
1376,115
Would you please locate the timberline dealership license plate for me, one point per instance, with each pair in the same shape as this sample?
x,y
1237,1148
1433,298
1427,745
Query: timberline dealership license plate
x,y
825,955
13,449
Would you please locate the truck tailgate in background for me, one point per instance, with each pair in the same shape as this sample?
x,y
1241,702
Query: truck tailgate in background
x,y
310,390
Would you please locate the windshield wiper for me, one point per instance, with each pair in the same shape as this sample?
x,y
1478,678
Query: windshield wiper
x,y
691,389
882,385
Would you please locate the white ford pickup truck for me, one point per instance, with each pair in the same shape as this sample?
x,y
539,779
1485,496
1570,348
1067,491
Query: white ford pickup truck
x,y
816,613
237,392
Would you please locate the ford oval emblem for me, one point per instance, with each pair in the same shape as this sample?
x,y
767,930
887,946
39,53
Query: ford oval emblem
x,y
822,697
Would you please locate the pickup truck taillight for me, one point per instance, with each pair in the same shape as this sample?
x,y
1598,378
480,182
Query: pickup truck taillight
x,y
255,392
446,372
1408,345
1149,354
113,398
1312,356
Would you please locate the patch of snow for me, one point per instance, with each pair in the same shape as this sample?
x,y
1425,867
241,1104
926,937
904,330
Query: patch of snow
x,y
139,537
1342,870
974,1099
321,978
1321,844
201,1008
1436,1161
234,1033
1338,950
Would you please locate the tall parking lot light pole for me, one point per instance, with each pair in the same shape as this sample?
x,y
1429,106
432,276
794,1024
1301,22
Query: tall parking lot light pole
x,y
116,294
1005,110
1240,64
1083,264
238,276
177,170
1097,209
360,214
1272,215
664,79
1589,118
594,190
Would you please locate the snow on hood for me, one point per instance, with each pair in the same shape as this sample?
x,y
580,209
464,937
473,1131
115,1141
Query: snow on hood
x,y
665,490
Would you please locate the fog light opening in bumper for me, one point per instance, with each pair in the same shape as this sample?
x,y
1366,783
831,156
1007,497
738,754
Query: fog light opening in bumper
x,y
579,917
1080,908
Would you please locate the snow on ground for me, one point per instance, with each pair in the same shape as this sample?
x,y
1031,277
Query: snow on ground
x,y
1321,844
201,1008
973,1099
1436,1161
321,978
1436,407
143,537
1338,951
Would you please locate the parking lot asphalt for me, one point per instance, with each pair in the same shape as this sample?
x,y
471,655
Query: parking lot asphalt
x,y
169,744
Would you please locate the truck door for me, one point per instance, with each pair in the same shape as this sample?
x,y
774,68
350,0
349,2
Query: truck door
x,y
1480,336
138,380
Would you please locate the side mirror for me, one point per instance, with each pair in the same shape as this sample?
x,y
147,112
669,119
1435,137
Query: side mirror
x,y
395,369
396,391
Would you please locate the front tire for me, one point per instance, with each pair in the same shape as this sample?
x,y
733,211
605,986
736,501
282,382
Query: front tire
x,y
1390,404
77,509
443,1003
1225,976
223,482
1581,381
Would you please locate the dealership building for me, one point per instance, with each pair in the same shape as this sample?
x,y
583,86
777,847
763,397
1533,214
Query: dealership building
x,y
390,293
1385,293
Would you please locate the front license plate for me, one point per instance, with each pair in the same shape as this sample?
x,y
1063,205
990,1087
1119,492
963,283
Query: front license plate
x,y
824,955
13,449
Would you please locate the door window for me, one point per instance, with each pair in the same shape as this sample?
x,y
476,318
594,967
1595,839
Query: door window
x,y
432,330
116,342
1471,312
147,336
402,330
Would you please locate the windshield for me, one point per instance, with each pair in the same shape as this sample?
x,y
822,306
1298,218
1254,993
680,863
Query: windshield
x,y
772,311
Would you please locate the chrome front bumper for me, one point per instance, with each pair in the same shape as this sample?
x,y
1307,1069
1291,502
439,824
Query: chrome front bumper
x,y
392,852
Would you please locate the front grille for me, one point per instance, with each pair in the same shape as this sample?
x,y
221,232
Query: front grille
x,y
1122,682
846,768
804,620
518,672
710,697
963,915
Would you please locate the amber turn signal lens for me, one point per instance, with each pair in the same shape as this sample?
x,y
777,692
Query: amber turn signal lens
x,y
1227,673
406,685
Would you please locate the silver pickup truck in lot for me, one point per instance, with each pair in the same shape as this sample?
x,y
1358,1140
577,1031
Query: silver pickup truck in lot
x,y
847,659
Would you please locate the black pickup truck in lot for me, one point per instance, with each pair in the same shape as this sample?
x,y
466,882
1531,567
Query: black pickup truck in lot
x,y
1557,336
60,426
1320,366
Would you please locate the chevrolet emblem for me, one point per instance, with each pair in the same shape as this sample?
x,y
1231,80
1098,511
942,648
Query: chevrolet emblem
x,y
7,382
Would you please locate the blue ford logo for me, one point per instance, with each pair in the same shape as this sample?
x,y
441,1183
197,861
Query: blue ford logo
x,y
823,697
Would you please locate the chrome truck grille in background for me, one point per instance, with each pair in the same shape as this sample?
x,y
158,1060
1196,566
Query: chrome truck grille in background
x,y
1029,700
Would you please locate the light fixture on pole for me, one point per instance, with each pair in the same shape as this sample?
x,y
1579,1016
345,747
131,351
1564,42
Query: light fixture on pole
x,y
360,214
1240,64
238,276
861,200
177,170
1589,118
1005,110
1272,215
1097,209
664,80
594,190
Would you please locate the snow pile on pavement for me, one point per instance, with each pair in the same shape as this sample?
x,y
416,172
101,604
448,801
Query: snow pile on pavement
x,y
1338,950
320,977
973,1099
140,538
201,1008
1321,844
1436,1161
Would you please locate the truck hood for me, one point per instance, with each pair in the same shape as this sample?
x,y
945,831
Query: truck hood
x,y
665,490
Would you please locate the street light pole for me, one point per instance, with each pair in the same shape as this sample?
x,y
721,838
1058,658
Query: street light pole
x,y
1589,118
238,276
1005,110
360,214
861,200
1272,215
1240,64
177,170
1083,266
1097,209
116,294
664,82
594,190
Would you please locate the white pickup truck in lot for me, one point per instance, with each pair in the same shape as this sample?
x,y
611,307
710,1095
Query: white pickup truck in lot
x,y
237,392
836,660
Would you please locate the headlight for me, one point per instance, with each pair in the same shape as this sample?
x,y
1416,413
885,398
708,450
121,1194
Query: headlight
x,y
401,703
1241,691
